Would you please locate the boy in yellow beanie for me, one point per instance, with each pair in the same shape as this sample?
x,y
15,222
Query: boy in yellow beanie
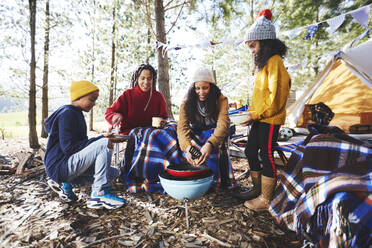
x,y
73,159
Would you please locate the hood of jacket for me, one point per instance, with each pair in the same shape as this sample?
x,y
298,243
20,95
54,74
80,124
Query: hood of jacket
x,y
49,122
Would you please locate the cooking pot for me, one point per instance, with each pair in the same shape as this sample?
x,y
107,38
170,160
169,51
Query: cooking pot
x,y
189,188
187,170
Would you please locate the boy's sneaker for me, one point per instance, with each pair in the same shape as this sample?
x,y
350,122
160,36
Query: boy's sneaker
x,y
63,190
105,198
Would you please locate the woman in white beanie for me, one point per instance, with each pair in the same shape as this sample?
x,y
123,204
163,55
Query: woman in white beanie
x,y
204,125
268,111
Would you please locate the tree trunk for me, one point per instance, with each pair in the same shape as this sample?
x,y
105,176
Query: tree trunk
x,y
93,61
148,45
91,111
33,140
252,8
44,110
163,74
113,35
316,66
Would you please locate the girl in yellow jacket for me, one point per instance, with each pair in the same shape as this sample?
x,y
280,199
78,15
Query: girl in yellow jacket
x,y
271,89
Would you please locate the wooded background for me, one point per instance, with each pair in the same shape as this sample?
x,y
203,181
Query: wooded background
x,y
46,44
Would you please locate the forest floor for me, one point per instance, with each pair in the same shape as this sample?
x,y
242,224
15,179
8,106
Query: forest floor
x,y
31,215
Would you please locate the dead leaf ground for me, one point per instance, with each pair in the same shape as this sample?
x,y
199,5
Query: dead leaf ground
x,y
31,215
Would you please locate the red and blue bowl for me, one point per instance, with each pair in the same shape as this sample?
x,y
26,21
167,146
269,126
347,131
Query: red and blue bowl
x,y
186,184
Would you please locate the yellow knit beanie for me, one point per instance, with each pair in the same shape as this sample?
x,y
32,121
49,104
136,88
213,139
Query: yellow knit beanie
x,y
81,88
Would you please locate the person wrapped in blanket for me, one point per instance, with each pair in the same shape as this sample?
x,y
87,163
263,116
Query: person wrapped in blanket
x,y
132,112
325,191
204,126
270,93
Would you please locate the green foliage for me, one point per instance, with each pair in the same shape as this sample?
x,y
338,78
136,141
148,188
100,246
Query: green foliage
x,y
313,53
81,41
230,19
233,64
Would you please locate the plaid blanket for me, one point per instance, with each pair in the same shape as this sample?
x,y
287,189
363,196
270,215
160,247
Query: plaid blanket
x,y
155,149
326,191
289,147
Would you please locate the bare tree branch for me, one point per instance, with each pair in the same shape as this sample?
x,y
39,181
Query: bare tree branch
x,y
166,5
149,18
177,5
139,2
145,7
179,13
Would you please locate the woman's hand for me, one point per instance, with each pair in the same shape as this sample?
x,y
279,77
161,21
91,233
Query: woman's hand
x,y
117,119
206,151
249,121
163,123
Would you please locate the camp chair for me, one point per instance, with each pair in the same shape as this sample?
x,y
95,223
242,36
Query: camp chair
x,y
313,129
321,114
232,131
117,149
279,149
289,148
233,141
234,136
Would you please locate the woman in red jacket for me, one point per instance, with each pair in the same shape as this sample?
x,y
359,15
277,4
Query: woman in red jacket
x,y
137,105
133,110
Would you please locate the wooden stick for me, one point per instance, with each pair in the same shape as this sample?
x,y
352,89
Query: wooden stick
x,y
22,163
225,221
104,240
148,216
139,243
205,235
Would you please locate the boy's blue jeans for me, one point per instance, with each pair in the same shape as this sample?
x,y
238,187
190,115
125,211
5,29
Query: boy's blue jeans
x,y
92,165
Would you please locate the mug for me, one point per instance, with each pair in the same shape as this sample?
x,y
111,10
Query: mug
x,y
157,122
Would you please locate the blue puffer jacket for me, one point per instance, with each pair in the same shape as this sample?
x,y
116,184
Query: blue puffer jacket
x,y
67,135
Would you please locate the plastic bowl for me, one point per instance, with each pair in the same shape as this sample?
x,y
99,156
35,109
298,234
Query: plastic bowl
x,y
237,119
186,189
186,170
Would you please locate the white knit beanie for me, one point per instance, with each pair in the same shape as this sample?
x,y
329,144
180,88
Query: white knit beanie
x,y
261,29
203,75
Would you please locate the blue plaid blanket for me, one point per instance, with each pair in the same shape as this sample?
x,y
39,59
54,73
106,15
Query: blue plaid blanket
x,y
155,149
289,147
326,191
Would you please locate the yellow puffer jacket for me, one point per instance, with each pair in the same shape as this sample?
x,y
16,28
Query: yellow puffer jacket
x,y
270,92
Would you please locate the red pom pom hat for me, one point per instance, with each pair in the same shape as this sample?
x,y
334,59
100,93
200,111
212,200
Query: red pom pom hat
x,y
266,13
262,28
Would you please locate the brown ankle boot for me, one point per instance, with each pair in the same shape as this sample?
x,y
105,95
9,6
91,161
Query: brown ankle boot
x,y
253,192
263,201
